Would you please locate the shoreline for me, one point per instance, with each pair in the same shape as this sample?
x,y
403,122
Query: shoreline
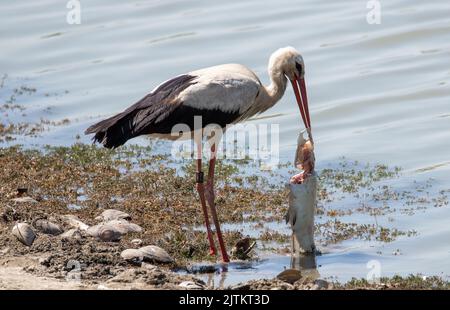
x,y
85,180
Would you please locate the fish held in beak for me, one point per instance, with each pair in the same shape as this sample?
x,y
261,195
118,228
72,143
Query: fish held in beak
x,y
304,159
303,198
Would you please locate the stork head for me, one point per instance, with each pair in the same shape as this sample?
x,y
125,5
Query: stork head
x,y
288,62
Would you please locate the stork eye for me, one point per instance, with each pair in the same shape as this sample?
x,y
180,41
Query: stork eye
x,y
299,68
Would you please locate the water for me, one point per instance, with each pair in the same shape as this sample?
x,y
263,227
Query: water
x,y
378,93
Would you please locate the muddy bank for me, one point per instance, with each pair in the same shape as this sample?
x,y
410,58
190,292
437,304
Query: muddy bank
x,y
157,194
19,273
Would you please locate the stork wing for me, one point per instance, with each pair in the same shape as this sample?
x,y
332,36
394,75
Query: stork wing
x,y
151,109
226,88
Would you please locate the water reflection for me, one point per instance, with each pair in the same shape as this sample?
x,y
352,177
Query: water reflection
x,y
306,264
222,275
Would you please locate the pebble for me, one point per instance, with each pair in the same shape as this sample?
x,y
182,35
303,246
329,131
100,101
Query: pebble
x,y
190,285
25,199
150,253
156,254
136,242
105,232
48,227
290,276
124,226
132,255
111,214
113,230
24,233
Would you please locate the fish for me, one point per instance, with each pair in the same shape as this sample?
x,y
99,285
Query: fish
x,y
304,158
303,197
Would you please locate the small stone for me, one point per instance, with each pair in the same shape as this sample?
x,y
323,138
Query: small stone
x,y
156,254
111,214
24,233
25,199
48,227
289,275
136,242
132,255
113,230
124,226
105,232
190,285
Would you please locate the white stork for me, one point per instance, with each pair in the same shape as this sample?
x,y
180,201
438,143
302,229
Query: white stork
x,y
220,95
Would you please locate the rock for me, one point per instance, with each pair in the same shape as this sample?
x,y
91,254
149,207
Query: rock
x,y
124,226
190,285
151,253
47,227
105,232
24,233
156,254
113,230
289,275
75,222
132,255
111,214
73,233
25,199
136,242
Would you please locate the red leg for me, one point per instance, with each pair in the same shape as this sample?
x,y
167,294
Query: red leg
x,y
201,192
210,197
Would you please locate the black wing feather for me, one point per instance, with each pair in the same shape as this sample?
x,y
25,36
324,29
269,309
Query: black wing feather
x,y
144,114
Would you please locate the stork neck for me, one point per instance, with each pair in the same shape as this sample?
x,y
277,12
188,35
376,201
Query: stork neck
x,y
277,85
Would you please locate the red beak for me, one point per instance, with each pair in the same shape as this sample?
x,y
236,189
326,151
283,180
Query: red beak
x,y
302,99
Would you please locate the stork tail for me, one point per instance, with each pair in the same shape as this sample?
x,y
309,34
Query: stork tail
x,y
114,131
